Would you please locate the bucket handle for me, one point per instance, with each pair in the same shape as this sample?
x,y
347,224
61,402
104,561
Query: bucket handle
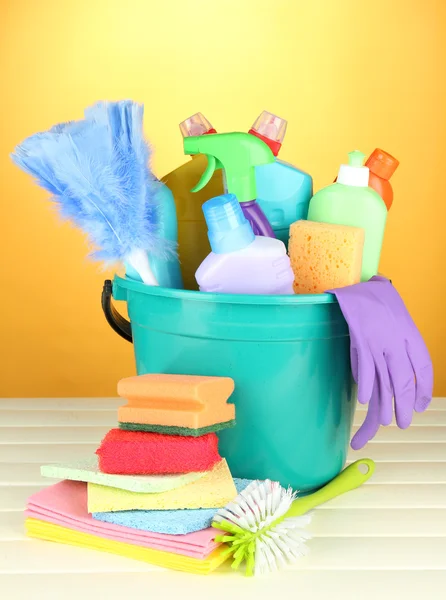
x,y
116,321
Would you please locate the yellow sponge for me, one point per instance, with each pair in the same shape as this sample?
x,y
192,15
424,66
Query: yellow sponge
x,y
214,490
325,256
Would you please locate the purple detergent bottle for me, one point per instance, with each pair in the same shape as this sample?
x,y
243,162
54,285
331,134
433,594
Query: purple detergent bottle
x,y
241,262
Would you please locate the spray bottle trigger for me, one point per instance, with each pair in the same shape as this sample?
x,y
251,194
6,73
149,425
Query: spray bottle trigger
x,y
209,171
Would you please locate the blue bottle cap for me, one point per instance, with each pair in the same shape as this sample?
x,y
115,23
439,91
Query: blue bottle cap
x,y
228,229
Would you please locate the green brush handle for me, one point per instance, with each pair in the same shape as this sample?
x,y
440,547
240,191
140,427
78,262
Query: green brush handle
x,y
349,479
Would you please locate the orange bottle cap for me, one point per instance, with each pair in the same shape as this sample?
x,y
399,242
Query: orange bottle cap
x,y
382,163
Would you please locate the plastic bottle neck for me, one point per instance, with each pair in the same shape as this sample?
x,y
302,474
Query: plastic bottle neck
x,y
228,229
273,145
354,173
353,176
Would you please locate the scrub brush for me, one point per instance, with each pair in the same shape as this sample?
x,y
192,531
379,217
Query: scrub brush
x,y
264,525
98,174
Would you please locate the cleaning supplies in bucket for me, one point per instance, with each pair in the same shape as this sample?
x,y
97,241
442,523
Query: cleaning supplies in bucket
x,y
388,356
283,191
237,154
351,202
292,349
97,172
240,262
193,245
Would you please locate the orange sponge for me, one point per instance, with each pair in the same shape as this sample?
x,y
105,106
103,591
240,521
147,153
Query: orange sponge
x,y
176,404
324,256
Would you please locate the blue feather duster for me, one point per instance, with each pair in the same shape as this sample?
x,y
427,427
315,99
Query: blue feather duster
x,y
97,171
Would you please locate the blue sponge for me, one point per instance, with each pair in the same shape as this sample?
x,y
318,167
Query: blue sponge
x,y
174,522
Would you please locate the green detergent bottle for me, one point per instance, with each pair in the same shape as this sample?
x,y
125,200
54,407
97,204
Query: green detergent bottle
x,y
351,202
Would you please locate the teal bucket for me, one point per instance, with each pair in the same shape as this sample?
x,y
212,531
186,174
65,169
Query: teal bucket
x,y
289,357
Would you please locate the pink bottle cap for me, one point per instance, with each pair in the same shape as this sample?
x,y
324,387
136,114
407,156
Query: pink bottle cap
x,y
271,129
196,125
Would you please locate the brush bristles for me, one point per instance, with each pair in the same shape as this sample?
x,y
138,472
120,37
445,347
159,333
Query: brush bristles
x,y
257,534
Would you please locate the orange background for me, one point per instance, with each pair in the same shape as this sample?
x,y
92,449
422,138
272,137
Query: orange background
x,y
346,74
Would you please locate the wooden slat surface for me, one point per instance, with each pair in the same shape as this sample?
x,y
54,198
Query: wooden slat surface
x,y
384,540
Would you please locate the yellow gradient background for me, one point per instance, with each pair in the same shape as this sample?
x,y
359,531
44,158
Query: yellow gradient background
x,y
346,74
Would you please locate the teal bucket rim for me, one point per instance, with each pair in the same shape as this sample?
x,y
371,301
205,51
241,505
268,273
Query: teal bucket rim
x,y
273,300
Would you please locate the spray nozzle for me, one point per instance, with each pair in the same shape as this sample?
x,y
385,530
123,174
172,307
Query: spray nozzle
x,y
237,153
213,164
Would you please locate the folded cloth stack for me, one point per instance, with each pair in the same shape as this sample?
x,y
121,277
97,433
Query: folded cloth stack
x,y
156,482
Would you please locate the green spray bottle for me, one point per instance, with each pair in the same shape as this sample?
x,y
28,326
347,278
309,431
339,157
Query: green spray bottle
x,y
351,202
238,154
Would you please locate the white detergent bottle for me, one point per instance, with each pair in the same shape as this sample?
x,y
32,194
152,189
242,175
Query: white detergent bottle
x,y
240,262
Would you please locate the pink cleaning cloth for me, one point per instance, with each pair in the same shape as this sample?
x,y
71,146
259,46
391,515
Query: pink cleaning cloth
x,y
65,504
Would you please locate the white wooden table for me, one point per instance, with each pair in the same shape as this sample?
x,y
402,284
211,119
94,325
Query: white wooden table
x,y
386,540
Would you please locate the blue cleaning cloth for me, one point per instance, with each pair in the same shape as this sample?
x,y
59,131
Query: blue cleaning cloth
x,y
175,522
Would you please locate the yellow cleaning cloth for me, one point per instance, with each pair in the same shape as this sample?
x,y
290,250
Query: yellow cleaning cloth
x,y
55,533
214,490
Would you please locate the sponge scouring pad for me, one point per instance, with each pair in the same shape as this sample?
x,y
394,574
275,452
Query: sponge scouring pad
x,y
138,453
173,522
214,490
88,470
176,404
324,256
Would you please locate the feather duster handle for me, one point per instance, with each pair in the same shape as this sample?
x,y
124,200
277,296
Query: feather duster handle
x,y
98,175
139,261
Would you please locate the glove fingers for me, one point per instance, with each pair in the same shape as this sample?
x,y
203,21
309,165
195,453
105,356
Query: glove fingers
x,y
364,368
354,362
385,390
370,427
403,382
424,375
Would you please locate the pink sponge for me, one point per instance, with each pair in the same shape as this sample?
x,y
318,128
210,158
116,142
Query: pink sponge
x,y
139,453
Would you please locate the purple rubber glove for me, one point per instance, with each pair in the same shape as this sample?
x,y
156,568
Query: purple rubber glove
x,y
371,424
388,356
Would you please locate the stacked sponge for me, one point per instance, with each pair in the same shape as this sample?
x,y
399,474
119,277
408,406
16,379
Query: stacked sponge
x,y
185,405
156,479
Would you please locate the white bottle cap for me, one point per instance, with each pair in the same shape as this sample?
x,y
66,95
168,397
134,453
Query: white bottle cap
x,y
354,173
